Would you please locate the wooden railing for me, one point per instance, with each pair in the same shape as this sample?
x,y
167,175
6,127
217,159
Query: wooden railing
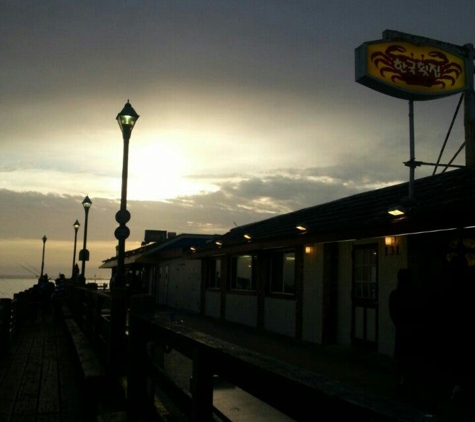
x,y
91,309
290,390
299,394
13,313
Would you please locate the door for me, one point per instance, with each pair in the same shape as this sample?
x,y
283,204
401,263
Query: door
x,y
364,331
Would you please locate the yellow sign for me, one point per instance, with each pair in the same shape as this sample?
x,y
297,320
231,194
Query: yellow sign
x,y
410,71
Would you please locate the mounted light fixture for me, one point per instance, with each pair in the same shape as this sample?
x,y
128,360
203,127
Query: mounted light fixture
x,y
247,236
397,210
309,249
389,241
218,243
301,228
192,249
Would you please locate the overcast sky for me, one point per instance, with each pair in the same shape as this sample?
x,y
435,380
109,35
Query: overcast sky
x,y
247,109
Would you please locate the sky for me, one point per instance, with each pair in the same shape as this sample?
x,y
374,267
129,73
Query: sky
x,y
248,109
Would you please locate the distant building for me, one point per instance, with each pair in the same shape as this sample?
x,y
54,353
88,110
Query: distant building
x,y
166,267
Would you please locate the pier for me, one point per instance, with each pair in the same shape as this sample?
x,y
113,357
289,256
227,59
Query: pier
x,y
180,366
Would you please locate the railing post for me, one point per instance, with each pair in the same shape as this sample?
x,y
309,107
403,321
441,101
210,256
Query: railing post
x,y
118,321
139,398
202,386
5,324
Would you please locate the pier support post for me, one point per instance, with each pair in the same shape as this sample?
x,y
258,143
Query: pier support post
x,y
139,397
5,325
202,386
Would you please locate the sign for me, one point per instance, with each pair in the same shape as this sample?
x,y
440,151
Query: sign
x,y
411,68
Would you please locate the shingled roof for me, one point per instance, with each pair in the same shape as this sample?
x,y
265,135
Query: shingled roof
x,y
442,201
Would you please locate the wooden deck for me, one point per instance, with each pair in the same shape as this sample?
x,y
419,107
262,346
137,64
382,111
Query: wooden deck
x,y
40,379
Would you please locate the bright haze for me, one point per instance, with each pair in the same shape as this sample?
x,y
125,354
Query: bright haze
x,y
248,109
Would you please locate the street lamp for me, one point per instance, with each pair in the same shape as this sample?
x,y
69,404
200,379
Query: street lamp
x,y
43,258
126,119
84,254
76,227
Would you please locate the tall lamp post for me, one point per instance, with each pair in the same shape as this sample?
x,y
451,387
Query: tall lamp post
x,y
126,119
84,254
43,257
76,227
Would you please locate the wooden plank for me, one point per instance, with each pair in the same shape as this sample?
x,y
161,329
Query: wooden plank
x,y
27,398
14,368
48,400
70,382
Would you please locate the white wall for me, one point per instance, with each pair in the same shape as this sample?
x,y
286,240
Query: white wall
x,y
279,316
312,295
184,284
343,334
213,304
241,309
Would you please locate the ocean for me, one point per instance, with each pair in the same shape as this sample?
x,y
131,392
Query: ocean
x,y
11,285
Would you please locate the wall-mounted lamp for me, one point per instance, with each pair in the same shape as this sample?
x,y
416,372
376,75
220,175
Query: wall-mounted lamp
x,y
247,236
309,249
218,243
396,210
389,241
301,228
192,249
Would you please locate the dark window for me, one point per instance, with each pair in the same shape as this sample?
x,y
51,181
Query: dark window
x,y
281,272
243,269
214,274
366,273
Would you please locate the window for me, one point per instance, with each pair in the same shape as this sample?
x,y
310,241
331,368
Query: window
x,y
282,272
214,274
243,272
366,276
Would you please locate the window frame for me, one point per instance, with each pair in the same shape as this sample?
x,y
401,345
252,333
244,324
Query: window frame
x,y
234,273
275,275
214,274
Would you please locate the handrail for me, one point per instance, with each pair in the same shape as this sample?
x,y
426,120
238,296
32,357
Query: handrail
x,y
295,392
13,313
91,310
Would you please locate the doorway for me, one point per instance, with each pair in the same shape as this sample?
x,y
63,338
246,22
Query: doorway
x,y
364,330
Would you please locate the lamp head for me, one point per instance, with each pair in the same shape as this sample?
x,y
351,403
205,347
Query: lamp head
x,y
86,203
44,239
127,118
76,225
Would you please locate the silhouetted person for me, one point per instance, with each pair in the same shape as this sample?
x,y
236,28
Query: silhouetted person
x,y
460,320
57,296
405,311
35,302
75,272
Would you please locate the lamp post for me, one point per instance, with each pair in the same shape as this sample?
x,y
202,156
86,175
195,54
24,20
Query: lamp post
x,y
76,227
43,257
84,254
126,119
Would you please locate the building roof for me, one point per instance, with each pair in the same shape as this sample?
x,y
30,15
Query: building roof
x,y
173,247
439,202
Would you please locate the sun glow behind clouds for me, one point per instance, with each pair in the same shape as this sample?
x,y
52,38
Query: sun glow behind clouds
x,y
158,171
